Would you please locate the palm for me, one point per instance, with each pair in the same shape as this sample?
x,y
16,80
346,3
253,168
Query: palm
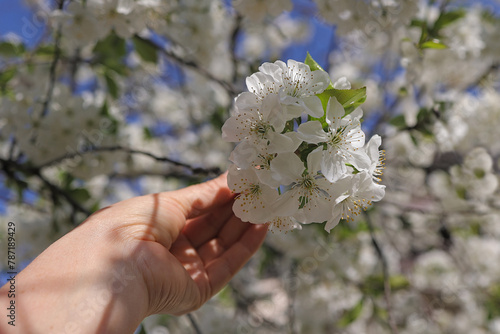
x,y
205,256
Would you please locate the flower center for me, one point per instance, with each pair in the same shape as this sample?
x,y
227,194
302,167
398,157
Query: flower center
x,y
260,128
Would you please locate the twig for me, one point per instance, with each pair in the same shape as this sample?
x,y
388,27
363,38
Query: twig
x,y
61,193
9,166
194,324
387,285
232,47
53,66
190,64
194,170
74,68
291,302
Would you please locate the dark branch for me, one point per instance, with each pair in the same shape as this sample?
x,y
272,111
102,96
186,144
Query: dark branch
x,y
11,167
190,64
385,270
213,171
53,66
194,323
234,38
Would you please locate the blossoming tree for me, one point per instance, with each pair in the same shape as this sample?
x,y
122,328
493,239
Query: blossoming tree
x,y
102,100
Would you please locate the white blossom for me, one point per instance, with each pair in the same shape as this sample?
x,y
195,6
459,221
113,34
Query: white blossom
x,y
344,140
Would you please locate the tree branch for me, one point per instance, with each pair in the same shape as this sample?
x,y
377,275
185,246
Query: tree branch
x,y
213,171
53,66
387,285
10,167
194,323
228,87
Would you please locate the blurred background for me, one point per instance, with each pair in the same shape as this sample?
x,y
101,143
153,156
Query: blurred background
x,y
103,100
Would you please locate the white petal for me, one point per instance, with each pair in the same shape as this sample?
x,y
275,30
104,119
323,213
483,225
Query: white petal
x,y
247,100
334,220
359,159
333,166
281,143
342,83
314,160
287,168
272,112
254,200
292,111
334,113
313,106
286,205
372,147
244,155
266,177
319,82
355,116
312,132
275,71
230,131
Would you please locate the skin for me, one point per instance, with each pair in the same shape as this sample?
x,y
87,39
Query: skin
x,y
162,253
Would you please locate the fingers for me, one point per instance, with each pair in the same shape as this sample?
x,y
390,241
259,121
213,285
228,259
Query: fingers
x,y
223,268
201,229
199,199
230,233
177,206
160,217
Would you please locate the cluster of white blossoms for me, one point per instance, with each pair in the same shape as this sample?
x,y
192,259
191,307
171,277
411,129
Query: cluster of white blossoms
x,y
300,160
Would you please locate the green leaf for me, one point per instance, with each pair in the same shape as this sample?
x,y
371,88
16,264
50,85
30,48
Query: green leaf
x,y
350,99
147,133
8,49
314,66
80,194
113,89
110,53
6,76
434,44
398,282
225,297
146,50
492,303
45,50
111,46
417,23
447,18
399,122
351,315
374,285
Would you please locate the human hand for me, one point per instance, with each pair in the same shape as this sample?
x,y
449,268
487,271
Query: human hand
x,y
161,253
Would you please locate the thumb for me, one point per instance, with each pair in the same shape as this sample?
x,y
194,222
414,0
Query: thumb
x,y
161,217
175,207
201,198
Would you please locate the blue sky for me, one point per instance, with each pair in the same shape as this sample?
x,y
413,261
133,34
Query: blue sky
x,y
16,18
